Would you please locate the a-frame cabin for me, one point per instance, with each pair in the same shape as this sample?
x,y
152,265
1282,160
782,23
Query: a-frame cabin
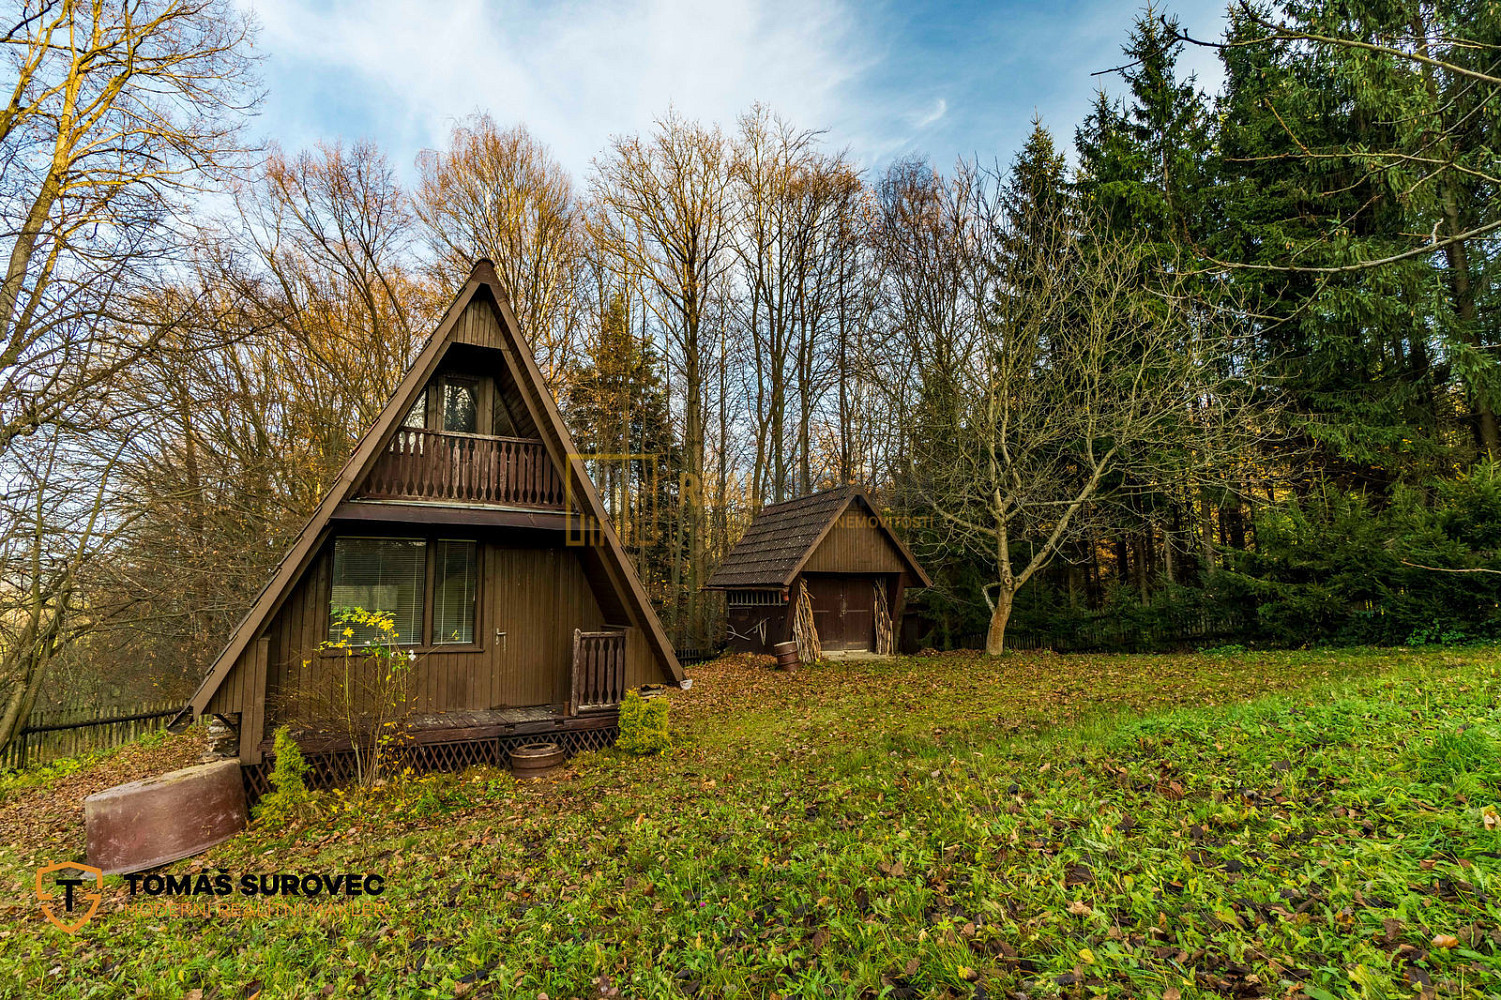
x,y
836,545
466,513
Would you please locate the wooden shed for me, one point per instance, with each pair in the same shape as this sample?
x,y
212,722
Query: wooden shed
x,y
837,547
465,513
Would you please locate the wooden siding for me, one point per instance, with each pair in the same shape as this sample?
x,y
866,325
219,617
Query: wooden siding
x,y
479,327
843,609
855,545
640,666
746,636
536,596
477,336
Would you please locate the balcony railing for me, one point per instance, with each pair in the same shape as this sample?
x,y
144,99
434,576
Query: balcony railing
x,y
598,669
466,468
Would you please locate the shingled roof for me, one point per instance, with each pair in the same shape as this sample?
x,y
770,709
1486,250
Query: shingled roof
x,y
783,535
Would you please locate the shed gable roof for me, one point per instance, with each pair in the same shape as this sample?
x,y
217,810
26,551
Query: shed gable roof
x,y
783,536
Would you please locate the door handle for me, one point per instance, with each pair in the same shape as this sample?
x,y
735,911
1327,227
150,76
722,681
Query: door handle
x,y
500,637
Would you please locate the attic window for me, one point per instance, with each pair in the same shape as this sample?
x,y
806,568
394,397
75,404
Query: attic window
x,y
460,407
378,574
417,416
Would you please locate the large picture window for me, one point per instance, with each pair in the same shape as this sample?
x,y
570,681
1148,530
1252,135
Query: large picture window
x,y
379,574
391,575
455,580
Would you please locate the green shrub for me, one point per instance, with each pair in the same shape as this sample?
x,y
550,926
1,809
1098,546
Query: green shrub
x,y
643,725
289,799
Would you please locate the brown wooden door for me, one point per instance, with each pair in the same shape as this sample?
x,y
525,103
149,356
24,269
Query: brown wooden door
x,y
522,645
843,611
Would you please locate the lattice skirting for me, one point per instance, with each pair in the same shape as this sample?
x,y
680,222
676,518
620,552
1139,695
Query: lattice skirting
x,y
330,770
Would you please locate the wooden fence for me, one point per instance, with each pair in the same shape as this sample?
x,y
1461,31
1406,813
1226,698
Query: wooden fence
x,y
78,729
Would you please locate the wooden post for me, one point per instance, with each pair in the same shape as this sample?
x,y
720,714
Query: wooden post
x,y
573,691
253,711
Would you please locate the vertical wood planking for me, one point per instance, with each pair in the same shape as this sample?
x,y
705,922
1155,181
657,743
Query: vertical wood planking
x,y
253,719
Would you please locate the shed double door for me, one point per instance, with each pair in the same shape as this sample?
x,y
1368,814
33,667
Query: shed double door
x,y
843,610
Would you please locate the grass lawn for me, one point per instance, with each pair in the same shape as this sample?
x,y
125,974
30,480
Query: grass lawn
x,y
1317,823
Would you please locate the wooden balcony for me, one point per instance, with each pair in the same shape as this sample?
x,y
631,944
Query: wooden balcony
x,y
438,467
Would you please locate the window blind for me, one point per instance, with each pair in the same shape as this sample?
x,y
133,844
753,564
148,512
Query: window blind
x,y
454,584
379,574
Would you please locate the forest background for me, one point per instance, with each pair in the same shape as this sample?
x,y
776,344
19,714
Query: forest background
x,y
1224,372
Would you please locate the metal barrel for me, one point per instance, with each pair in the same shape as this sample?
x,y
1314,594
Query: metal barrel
x,y
786,654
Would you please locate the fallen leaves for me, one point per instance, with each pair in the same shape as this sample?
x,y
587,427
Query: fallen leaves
x,y
836,843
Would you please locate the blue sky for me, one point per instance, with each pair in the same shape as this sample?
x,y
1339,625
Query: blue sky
x,y
884,79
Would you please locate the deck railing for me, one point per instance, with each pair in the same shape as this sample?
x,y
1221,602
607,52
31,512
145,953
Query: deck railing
x,y
598,669
422,464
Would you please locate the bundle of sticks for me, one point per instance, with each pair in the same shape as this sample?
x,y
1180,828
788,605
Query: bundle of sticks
x,y
804,633
884,638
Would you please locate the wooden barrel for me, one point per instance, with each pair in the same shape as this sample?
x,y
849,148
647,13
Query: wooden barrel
x,y
148,823
533,760
786,654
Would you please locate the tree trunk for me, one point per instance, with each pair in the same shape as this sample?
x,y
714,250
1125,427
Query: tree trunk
x,y
995,638
1487,430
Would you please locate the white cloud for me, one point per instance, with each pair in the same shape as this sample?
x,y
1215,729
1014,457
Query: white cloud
x,y
575,72
940,108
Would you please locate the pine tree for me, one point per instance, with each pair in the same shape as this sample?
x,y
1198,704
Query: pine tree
x,y
619,413
1144,163
1146,171
1355,352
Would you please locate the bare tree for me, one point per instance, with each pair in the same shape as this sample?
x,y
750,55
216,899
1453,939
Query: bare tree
x,y
284,334
787,198
1072,372
498,193
327,263
662,216
118,113
55,509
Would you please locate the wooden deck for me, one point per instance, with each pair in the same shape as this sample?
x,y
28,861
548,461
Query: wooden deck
x,y
472,726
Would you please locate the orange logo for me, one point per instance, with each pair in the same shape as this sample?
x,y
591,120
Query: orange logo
x,y
67,915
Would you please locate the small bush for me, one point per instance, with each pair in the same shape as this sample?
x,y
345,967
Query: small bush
x,y
643,725
290,799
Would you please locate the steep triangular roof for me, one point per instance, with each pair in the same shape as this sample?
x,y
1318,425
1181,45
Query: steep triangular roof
x,y
483,285
783,536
